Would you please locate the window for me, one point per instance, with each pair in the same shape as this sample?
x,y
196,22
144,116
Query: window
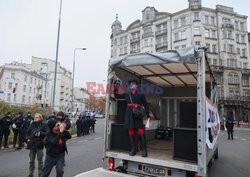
x,y
226,20
244,52
208,47
29,99
230,47
197,43
238,51
230,78
206,19
121,51
231,94
244,65
35,81
12,75
197,31
183,21
207,33
214,61
34,91
242,38
237,36
236,79
24,88
225,47
230,35
176,36
8,97
146,43
125,39
23,99
213,34
196,16
10,86
31,79
236,25
165,39
183,35
183,46
214,48
241,26
175,23
231,63
30,89
14,98
245,81
165,26
224,34
212,21
125,50
121,40
25,78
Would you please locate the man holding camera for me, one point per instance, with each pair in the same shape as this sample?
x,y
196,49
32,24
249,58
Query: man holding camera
x,y
35,136
55,147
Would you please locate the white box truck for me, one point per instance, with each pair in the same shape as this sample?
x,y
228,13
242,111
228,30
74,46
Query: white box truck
x,y
182,138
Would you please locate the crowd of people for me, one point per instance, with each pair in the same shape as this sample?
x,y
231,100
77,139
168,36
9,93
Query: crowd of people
x,y
37,134
85,125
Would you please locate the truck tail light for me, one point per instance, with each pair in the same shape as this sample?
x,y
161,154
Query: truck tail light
x,y
111,164
196,175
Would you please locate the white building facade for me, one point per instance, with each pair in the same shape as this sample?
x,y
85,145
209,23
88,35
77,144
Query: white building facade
x,y
222,30
63,93
21,86
80,96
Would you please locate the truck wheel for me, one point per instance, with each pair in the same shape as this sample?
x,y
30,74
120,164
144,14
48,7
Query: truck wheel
x,y
216,156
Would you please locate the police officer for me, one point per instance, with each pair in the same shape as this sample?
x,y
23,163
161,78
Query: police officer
x,y
30,118
79,126
21,126
84,125
15,126
52,116
93,120
230,128
5,123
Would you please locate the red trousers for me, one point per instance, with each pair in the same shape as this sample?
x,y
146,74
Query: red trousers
x,y
131,131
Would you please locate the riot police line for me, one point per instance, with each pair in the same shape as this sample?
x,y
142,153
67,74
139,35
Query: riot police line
x,y
36,133
85,125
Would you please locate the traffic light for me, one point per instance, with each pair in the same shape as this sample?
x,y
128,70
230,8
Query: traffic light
x,y
14,90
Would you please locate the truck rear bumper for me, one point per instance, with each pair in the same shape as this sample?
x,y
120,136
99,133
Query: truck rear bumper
x,y
103,173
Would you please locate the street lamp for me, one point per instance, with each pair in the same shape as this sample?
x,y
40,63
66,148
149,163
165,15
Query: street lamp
x,y
72,104
57,47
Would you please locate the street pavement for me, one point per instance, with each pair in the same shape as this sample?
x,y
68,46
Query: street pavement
x,y
85,153
234,156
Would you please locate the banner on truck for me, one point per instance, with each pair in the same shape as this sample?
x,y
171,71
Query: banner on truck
x,y
213,124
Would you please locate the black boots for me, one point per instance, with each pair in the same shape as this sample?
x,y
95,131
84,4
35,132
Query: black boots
x,y
143,145
132,144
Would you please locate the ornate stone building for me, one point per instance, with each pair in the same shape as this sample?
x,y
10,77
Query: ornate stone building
x,y
222,30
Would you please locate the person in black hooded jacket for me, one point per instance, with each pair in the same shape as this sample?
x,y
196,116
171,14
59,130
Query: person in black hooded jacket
x,y
55,147
35,136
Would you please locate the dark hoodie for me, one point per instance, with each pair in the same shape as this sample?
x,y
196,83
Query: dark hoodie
x,y
56,141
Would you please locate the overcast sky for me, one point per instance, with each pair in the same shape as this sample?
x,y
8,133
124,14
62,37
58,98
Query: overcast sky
x,y
29,28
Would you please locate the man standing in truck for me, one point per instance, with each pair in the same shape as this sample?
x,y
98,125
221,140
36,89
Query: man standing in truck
x,y
134,99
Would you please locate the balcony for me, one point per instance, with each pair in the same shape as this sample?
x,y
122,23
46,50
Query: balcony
x,y
227,25
161,32
161,45
217,68
149,34
135,51
245,71
236,100
133,40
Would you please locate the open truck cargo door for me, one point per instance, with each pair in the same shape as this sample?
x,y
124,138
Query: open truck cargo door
x,y
178,72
